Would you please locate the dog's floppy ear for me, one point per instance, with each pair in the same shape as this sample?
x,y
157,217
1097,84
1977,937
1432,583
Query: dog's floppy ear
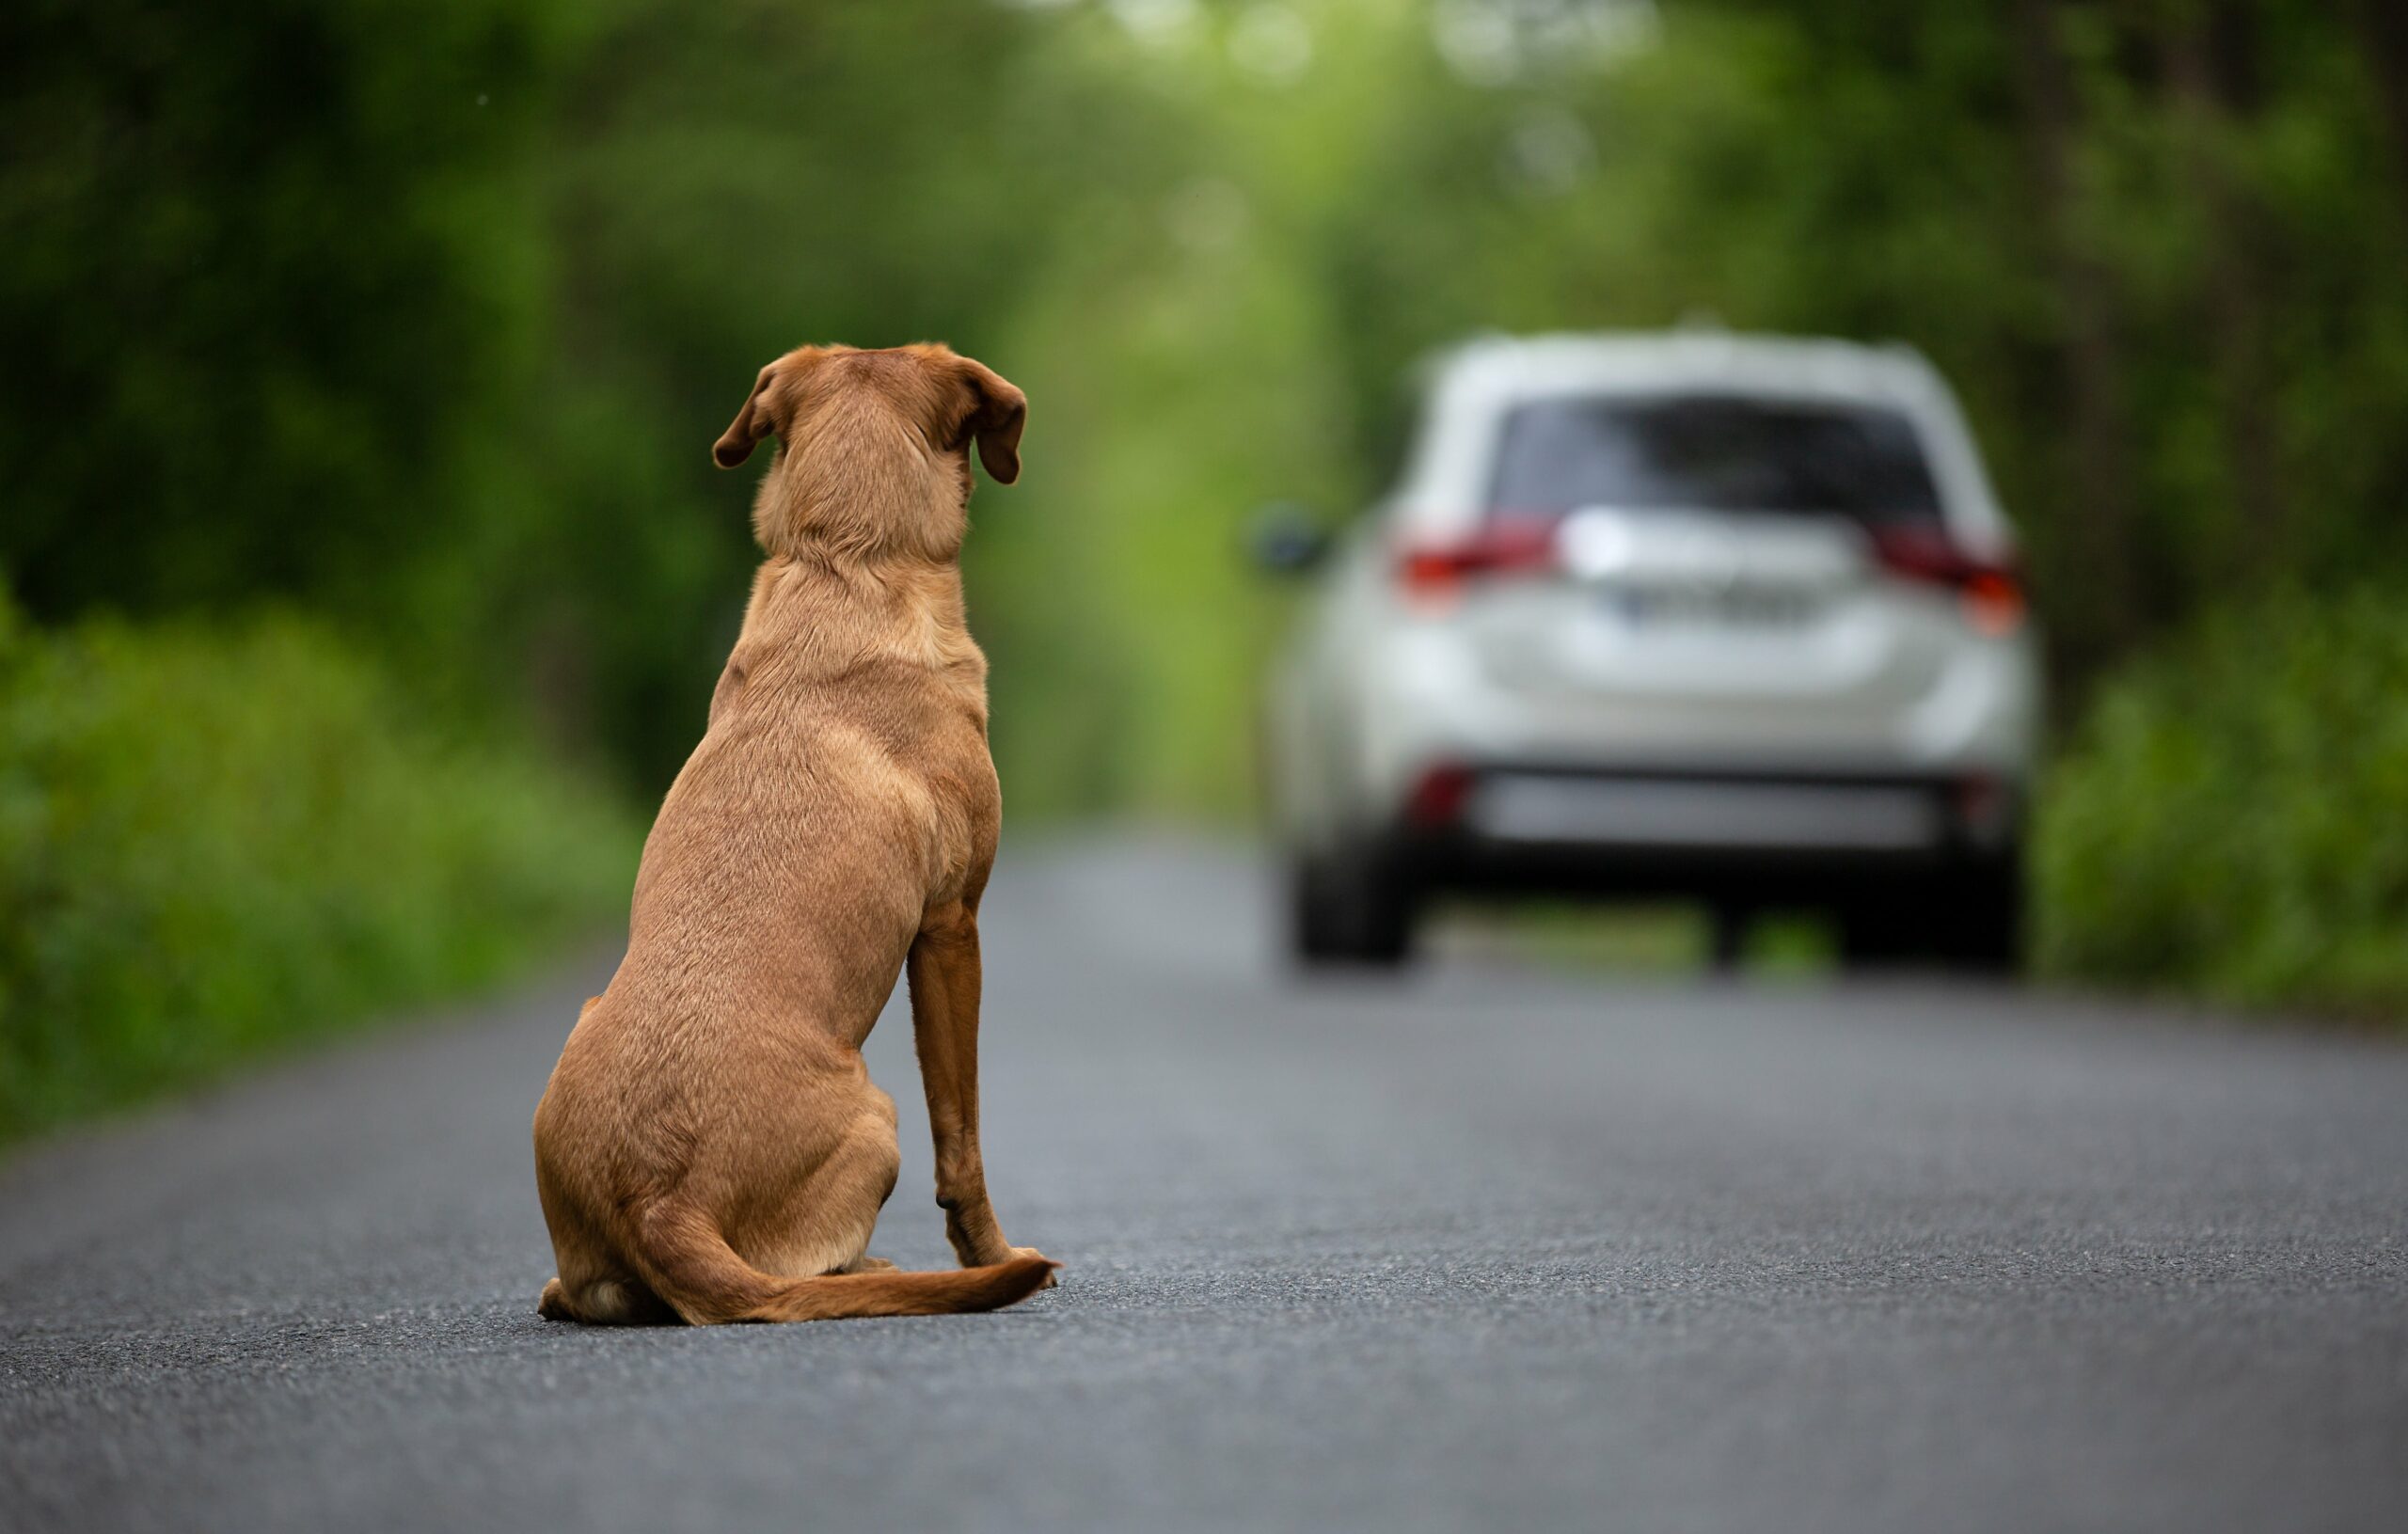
x,y
750,425
757,419
995,420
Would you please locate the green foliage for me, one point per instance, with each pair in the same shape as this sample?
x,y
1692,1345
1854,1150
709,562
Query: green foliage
x,y
424,314
421,317
2231,819
215,841
274,278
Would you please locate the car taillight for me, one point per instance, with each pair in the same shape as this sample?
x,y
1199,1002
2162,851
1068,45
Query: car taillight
x,y
1991,594
1437,569
1437,800
1985,807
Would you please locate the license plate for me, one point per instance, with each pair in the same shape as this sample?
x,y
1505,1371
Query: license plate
x,y
1736,606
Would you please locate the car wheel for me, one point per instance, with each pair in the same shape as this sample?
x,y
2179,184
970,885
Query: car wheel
x,y
1970,921
1350,908
1882,929
1984,932
1313,934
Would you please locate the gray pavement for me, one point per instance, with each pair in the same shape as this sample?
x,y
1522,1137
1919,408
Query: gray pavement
x,y
1495,1246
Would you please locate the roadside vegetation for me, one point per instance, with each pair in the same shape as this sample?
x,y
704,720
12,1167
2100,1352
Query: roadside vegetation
x,y
2232,818
216,840
417,319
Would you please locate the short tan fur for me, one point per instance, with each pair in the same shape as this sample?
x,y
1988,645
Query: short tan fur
x,y
710,1148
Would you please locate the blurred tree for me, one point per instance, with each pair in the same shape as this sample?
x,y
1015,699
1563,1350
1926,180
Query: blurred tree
x,y
2210,52
2096,394
724,185
2383,28
424,314
268,294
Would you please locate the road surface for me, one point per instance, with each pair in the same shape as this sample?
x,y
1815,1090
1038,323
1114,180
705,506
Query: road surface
x,y
1493,1247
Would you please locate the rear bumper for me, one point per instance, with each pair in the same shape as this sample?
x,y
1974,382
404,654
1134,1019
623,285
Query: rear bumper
x,y
1759,837
1425,697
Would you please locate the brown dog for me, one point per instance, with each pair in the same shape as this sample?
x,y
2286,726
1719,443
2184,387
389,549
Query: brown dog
x,y
710,1148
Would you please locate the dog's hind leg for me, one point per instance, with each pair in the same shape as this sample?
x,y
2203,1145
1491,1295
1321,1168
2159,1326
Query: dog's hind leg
x,y
829,1218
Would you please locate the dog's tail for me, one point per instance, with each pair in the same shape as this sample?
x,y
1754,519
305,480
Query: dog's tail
x,y
693,1268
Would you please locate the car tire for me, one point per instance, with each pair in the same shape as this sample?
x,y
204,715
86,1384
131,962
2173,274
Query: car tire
x,y
1970,920
1984,934
1351,907
1884,929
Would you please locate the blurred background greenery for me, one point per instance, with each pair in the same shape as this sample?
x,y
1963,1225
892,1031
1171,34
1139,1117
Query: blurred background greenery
x,y
368,575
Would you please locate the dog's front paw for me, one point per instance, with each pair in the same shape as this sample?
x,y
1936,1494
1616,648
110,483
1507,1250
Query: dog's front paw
x,y
1032,1252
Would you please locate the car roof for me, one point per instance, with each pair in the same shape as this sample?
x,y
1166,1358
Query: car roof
x,y
1473,386
1692,358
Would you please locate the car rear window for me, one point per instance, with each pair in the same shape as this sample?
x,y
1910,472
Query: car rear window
x,y
1712,452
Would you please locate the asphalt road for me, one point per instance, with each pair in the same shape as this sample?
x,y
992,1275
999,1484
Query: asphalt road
x,y
1493,1247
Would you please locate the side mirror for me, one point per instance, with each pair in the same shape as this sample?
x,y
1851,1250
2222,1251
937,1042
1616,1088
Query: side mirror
x,y
1286,539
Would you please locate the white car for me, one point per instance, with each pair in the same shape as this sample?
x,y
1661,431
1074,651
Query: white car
x,y
1694,614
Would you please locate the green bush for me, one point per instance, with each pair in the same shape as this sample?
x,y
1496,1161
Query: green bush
x,y
2232,819
215,840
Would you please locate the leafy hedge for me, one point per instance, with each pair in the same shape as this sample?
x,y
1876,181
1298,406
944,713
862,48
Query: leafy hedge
x,y
2232,819
215,840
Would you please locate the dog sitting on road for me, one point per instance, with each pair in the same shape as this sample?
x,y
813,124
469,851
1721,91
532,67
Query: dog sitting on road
x,y
710,1148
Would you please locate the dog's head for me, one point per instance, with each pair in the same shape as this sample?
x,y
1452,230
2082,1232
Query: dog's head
x,y
875,446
